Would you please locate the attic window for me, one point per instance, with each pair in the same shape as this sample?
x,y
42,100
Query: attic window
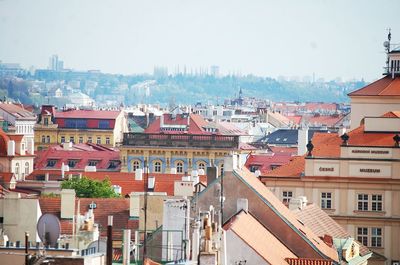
x,y
72,163
93,163
113,165
277,139
51,163
284,139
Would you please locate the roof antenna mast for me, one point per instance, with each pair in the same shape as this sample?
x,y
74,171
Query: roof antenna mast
x,y
386,44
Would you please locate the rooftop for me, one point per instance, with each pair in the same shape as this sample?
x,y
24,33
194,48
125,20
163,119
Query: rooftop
x,y
386,86
87,114
17,111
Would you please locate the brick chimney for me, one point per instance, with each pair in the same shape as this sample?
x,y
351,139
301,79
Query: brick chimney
x,y
67,203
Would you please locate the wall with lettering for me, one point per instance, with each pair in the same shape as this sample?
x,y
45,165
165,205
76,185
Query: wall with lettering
x,y
326,169
368,152
360,169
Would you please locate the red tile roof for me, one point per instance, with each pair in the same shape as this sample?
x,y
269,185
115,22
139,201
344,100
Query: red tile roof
x,y
327,120
293,169
316,106
385,86
127,182
295,119
87,114
195,124
322,224
81,152
262,191
265,162
17,111
256,236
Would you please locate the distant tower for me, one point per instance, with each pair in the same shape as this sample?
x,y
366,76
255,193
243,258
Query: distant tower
x,y
240,93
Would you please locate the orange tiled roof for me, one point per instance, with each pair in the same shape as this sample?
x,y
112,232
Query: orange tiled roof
x,y
294,168
255,235
385,86
286,214
322,224
126,180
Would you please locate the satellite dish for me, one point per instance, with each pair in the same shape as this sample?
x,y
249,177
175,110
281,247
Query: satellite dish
x,y
48,228
99,245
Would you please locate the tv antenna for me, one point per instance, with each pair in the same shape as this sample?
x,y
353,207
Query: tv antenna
x,y
48,228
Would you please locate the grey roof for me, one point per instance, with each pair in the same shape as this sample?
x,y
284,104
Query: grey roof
x,y
286,137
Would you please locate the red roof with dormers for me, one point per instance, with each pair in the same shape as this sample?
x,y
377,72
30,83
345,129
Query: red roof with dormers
x,y
319,106
87,114
194,123
266,162
83,153
163,182
386,86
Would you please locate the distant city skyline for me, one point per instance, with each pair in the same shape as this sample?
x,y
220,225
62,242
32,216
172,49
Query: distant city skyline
x,y
330,39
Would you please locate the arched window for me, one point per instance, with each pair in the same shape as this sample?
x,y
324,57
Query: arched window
x,y
201,165
26,168
17,169
43,139
157,166
135,165
48,138
179,167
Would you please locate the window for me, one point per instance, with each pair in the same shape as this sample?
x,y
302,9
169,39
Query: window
x,y
98,140
157,167
326,200
48,138
62,139
201,165
370,202
179,167
254,168
135,165
26,168
71,139
89,140
17,169
80,139
221,169
72,163
362,204
104,124
75,123
51,163
362,235
108,140
92,163
376,202
370,236
46,121
43,139
113,164
287,195
376,237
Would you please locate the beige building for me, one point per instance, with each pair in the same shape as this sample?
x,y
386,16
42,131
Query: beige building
x,y
355,179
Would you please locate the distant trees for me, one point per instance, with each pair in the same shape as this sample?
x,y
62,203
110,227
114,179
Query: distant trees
x,y
88,188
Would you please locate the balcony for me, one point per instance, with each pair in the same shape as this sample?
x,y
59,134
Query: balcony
x,y
181,140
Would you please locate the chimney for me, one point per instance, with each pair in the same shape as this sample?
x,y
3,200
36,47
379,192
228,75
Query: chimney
x,y
298,203
67,203
139,174
230,162
134,205
11,148
151,183
46,176
341,131
302,140
242,204
212,174
162,121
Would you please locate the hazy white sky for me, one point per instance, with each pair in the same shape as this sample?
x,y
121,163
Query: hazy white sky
x,y
269,38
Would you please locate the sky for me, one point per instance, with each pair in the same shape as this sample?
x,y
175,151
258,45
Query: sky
x,y
331,38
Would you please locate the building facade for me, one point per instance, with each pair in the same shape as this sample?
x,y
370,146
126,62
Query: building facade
x,y
79,126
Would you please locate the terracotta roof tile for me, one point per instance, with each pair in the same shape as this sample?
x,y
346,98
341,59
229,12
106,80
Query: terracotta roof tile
x,y
264,162
255,235
285,213
385,86
87,114
293,168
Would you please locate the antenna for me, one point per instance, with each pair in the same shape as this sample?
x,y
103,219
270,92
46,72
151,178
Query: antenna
x,y
48,228
386,44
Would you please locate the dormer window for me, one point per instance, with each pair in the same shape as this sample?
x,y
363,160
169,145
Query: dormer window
x,y
51,163
72,163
